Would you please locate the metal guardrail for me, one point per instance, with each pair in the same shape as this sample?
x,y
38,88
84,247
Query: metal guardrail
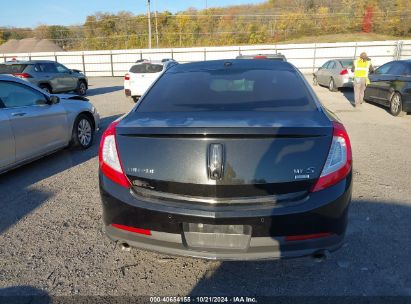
x,y
401,50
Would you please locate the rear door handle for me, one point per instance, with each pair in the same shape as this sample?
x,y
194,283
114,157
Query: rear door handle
x,y
18,114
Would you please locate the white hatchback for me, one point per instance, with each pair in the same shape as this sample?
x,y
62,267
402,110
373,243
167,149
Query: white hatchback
x,y
142,75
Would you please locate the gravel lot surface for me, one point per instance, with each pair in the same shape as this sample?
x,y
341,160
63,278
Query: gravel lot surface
x,y
51,240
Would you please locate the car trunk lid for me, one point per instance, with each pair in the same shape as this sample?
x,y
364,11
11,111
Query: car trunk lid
x,y
263,153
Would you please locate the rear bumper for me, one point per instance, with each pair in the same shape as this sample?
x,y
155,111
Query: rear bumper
x,y
259,247
321,212
344,82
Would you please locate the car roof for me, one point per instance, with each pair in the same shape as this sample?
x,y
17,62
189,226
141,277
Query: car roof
x,y
404,61
274,55
232,64
150,61
5,77
162,61
27,62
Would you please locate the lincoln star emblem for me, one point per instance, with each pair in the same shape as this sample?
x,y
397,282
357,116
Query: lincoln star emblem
x,y
216,161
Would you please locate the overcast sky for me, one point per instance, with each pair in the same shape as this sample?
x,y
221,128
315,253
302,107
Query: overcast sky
x,y
30,13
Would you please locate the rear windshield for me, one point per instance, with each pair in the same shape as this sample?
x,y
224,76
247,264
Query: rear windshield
x,y
223,90
346,63
146,68
12,68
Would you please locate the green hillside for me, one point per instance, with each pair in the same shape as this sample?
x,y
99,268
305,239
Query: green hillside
x,y
274,21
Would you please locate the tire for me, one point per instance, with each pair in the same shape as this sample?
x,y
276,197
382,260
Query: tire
x,y
135,98
81,88
331,85
396,105
46,88
83,132
315,81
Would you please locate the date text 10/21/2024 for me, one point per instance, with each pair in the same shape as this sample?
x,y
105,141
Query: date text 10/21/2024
x,y
203,299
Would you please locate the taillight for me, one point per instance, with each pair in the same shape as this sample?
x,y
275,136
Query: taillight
x,y
132,229
127,77
22,75
344,72
110,164
339,159
260,57
304,237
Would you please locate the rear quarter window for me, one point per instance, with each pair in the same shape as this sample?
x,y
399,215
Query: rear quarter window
x,y
222,90
12,68
146,68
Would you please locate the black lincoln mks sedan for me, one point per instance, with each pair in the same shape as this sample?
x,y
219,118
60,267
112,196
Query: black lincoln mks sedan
x,y
232,160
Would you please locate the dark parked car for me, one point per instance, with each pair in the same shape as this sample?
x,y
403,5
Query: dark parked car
x,y
227,160
391,87
50,76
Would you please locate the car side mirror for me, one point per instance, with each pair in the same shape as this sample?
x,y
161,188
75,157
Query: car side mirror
x,y
54,100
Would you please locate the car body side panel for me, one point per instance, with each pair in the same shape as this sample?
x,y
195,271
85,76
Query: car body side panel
x,y
372,90
39,78
405,90
67,82
7,150
323,76
385,88
73,108
38,129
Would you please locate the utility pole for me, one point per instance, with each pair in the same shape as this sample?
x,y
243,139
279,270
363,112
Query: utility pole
x,y
155,12
149,23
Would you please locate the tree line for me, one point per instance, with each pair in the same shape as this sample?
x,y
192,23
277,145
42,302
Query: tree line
x,y
269,22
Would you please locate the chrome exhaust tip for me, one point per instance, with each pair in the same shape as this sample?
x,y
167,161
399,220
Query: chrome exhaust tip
x,y
125,247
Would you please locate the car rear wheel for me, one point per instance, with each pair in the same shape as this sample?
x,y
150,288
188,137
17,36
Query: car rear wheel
x,y
331,85
82,88
83,132
396,105
315,81
46,88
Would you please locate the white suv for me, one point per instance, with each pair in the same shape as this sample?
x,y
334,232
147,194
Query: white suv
x,y
142,75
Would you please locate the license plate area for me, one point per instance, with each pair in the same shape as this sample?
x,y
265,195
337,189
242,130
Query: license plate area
x,y
217,237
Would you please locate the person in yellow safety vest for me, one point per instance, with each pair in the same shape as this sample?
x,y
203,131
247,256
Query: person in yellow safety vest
x,y
361,68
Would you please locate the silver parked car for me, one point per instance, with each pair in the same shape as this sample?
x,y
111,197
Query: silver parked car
x,y
34,123
335,74
50,76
